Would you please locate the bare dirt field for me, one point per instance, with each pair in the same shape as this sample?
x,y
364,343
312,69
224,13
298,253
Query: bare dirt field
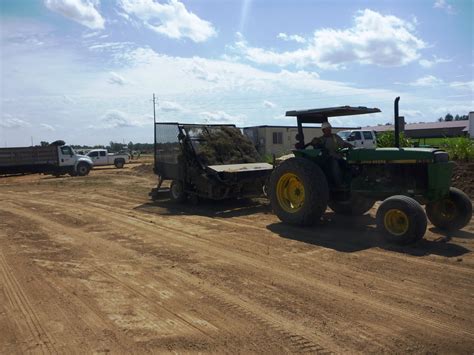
x,y
91,265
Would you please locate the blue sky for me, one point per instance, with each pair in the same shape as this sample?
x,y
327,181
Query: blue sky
x,y
84,70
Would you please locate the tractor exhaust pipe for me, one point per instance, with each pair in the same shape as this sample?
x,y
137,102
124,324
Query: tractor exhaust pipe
x,y
397,124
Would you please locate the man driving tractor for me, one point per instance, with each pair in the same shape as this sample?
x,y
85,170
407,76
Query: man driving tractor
x,y
331,143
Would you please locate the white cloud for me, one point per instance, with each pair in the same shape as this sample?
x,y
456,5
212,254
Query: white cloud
x,y
374,39
120,119
171,106
81,11
47,127
221,117
12,122
295,38
427,81
268,104
426,63
117,79
171,19
463,85
453,109
444,5
411,114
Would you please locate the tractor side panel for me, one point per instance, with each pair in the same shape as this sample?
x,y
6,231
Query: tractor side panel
x,y
439,179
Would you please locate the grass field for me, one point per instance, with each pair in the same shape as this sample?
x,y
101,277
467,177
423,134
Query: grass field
x,y
432,141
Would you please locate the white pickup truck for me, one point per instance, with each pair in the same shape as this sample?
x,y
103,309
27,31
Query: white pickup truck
x,y
359,138
102,157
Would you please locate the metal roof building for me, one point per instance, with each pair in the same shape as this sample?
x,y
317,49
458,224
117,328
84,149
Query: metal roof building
x,y
429,129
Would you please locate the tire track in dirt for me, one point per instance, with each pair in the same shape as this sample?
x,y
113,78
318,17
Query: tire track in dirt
x,y
241,223
283,327
141,294
262,265
348,269
298,342
299,338
411,318
20,304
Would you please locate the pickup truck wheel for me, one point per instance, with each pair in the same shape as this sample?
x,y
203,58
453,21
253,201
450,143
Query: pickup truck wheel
x,y
177,193
401,220
119,163
452,212
83,169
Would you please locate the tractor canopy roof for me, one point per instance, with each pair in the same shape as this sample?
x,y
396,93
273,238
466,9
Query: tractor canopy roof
x,y
320,115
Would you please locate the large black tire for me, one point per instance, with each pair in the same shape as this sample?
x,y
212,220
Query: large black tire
x,y
452,212
355,206
401,220
119,163
83,169
299,192
177,193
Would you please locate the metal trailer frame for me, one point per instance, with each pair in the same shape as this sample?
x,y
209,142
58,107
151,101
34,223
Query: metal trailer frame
x,y
176,158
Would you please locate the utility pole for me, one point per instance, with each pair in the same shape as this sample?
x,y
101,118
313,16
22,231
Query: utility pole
x,y
154,132
154,108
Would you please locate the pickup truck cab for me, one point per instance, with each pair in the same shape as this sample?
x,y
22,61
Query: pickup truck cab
x,y
102,157
359,138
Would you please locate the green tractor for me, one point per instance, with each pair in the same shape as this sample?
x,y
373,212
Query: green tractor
x,y
302,187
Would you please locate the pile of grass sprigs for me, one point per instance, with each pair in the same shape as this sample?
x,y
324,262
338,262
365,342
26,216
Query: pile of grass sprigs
x,y
226,145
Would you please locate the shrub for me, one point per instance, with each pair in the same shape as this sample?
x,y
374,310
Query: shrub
x,y
387,139
461,148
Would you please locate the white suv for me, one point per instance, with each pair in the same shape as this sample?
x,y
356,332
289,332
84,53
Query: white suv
x,y
359,138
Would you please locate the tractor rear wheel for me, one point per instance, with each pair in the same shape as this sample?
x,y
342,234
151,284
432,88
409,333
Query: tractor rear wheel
x,y
177,193
401,220
355,206
298,192
452,212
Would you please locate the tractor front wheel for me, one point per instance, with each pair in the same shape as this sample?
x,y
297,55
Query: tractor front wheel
x,y
298,192
401,220
453,212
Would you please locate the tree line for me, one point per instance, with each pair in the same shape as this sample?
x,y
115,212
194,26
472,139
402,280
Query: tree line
x,y
449,118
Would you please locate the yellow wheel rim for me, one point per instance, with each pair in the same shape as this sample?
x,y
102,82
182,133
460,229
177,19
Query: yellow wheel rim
x,y
290,193
396,222
446,209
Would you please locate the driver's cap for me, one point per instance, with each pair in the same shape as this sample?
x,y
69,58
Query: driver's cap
x,y
326,125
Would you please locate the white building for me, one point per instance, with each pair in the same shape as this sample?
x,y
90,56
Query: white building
x,y
471,124
280,140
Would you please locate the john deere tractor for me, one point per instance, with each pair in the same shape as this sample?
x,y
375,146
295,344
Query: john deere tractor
x,y
404,179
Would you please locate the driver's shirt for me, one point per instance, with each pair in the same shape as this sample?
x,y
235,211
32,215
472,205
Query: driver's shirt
x,y
331,143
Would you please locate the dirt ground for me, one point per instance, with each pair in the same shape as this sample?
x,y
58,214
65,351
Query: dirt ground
x,y
91,265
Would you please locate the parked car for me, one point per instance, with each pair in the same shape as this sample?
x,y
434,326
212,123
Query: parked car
x,y
102,157
359,138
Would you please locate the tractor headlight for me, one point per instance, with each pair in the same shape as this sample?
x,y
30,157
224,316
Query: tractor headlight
x,y
441,157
